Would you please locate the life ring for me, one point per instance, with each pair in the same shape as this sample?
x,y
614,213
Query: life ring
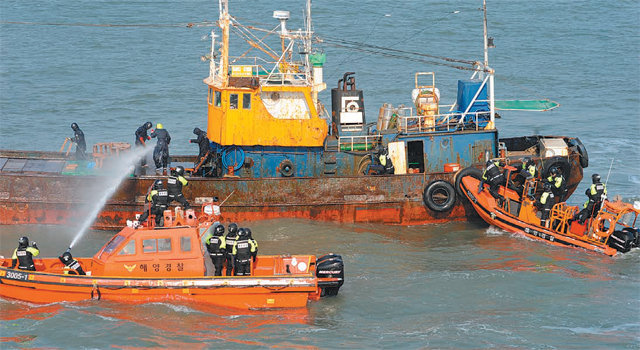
x,y
470,171
584,156
286,168
439,196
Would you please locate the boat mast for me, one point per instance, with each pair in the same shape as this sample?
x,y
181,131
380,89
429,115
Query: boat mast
x,y
486,63
223,73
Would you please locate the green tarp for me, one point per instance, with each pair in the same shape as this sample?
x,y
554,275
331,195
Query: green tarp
x,y
526,105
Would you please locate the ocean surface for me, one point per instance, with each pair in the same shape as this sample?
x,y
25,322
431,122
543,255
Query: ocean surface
x,y
112,65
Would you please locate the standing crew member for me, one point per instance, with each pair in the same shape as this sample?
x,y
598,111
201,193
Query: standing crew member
x,y
203,144
494,177
597,192
216,246
23,255
232,236
243,250
557,183
545,203
156,202
78,139
254,255
161,152
141,140
71,263
174,185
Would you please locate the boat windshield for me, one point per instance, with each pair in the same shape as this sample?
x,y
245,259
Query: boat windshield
x,y
112,245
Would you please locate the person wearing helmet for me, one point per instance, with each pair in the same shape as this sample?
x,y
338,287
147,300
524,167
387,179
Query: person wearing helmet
x,y
216,246
23,255
161,152
527,173
243,249
142,137
545,203
493,176
596,194
557,182
78,139
254,255
156,202
175,182
72,264
230,240
204,154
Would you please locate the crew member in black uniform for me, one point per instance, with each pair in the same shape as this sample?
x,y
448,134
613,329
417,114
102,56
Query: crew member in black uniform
x,y
78,139
493,176
216,246
71,263
596,193
545,203
161,152
254,255
557,182
203,145
230,240
243,250
175,182
142,137
23,255
527,172
158,198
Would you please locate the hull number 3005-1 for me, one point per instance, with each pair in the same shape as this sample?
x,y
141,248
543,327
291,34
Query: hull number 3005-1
x,y
17,275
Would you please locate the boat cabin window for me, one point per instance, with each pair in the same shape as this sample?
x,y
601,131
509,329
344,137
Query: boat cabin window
x,y
246,101
210,95
149,246
185,244
233,101
218,99
128,249
164,244
415,155
113,244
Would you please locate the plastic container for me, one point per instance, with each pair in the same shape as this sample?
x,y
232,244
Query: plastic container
x,y
451,167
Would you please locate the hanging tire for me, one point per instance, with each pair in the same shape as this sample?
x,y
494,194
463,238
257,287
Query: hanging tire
x,y
470,171
439,196
584,156
559,162
286,168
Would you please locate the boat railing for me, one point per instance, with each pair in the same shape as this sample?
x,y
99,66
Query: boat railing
x,y
272,73
359,142
447,122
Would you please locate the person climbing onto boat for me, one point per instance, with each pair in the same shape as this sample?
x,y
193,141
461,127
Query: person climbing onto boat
x,y
141,139
527,172
596,193
254,255
557,182
243,250
493,176
216,246
230,240
161,151
156,203
545,203
175,182
78,139
23,255
71,263
381,162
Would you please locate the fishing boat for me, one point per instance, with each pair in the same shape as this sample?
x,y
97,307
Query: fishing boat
x,y
272,140
154,264
613,230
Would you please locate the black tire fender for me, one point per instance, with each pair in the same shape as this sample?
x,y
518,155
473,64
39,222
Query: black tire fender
x,y
470,171
559,162
584,156
286,168
439,196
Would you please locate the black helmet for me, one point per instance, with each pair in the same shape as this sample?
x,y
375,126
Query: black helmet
x,y
66,257
595,178
219,230
527,161
148,125
157,184
233,229
74,126
242,233
248,232
23,242
554,170
197,131
179,170
547,186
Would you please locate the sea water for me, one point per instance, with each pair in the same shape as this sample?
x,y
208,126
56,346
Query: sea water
x,y
459,285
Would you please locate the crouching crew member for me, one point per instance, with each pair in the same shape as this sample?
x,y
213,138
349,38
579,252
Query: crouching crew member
x,y
72,264
243,250
175,182
545,203
156,202
230,240
493,176
596,193
23,255
216,246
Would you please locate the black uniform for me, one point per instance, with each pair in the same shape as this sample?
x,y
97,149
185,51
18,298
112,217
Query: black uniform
x,y
595,193
161,152
230,240
174,186
243,250
71,263
216,246
159,199
493,176
23,255
545,203
203,144
78,139
141,134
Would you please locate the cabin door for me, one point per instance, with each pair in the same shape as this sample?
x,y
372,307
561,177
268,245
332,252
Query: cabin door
x,y
415,156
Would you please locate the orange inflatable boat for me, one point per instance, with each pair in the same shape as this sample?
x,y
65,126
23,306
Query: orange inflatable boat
x,y
613,230
150,264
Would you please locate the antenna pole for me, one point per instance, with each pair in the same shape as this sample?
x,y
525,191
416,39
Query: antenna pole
x,y
486,39
609,173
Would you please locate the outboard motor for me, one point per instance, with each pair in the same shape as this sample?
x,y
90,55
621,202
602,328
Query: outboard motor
x,y
330,266
623,240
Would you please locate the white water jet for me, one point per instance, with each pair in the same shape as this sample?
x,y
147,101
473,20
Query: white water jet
x,y
118,169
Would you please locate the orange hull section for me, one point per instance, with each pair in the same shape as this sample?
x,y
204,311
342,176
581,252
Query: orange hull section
x,y
487,207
